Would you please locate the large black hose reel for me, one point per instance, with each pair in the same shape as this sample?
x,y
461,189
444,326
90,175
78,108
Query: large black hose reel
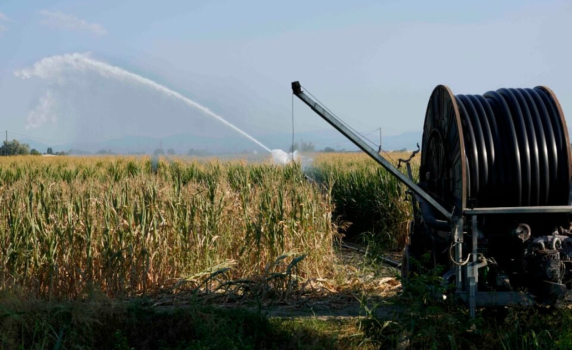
x,y
494,194
506,148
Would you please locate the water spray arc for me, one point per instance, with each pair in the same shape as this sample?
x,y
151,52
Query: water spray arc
x,y
53,67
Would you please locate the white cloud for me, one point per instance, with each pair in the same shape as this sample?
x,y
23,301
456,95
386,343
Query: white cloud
x,y
3,28
57,19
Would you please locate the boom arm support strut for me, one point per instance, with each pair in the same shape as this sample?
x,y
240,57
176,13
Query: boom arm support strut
x,y
338,125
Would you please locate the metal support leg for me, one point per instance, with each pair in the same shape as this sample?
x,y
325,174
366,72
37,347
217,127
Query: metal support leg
x,y
473,273
458,239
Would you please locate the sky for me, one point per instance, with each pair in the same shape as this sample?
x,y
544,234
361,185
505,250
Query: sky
x,y
374,63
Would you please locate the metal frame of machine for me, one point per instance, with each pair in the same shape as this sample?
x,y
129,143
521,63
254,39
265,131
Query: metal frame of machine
x,y
465,270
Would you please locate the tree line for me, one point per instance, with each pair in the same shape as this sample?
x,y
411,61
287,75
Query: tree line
x,y
17,148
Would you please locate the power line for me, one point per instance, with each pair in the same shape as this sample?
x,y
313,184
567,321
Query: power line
x,y
346,124
340,119
292,127
333,140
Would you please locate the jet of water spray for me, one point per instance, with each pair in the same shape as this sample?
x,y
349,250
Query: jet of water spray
x,y
53,67
283,158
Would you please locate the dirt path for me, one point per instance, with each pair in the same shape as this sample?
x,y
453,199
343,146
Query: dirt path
x,y
360,287
328,308
369,287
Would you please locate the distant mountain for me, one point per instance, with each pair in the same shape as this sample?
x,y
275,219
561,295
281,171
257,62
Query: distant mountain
x,y
333,139
38,146
182,143
144,144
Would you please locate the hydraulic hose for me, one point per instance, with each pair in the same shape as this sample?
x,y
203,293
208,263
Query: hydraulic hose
x,y
515,147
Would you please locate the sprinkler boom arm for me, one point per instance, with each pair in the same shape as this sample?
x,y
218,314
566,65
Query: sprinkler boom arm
x,y
347,132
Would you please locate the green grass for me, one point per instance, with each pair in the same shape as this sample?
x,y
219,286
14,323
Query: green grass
x,y
99,323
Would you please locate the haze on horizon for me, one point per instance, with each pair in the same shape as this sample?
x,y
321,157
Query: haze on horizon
x,y
373,63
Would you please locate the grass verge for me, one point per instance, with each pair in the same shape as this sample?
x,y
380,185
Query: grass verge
x,y
105,324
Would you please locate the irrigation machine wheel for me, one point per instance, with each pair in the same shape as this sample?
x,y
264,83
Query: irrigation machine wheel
x,y
443,161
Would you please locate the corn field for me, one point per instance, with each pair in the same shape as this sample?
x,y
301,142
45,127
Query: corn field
x,y
127,225
367,196
122,226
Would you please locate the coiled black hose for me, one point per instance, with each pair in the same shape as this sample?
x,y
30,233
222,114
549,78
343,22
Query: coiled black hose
x,y
516,148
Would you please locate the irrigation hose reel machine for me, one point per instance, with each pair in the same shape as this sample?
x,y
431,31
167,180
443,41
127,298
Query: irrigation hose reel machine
x,y
493,201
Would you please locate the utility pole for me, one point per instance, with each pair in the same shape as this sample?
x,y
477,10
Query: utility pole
x,y
380,148
6,145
